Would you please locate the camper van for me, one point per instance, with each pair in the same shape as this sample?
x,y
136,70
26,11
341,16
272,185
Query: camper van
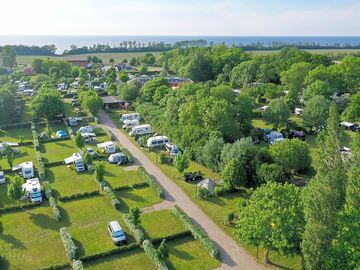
x,y
86,129
172,149
109,147
157,141
116,233
89,137
130,123
129,116
32,190
2,177
140,130
26,169
77,160
273,137
118,158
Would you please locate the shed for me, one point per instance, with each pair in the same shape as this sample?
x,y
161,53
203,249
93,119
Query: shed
x,y
208,184
113,102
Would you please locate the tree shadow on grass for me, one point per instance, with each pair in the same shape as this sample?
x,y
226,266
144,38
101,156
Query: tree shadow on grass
x,y
14,242
109,174
79,245
126,194
64,145
46,222
4,264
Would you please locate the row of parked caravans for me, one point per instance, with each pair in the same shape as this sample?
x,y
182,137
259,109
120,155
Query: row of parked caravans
x,y
131,122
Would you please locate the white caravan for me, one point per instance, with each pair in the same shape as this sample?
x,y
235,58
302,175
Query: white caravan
x,y
109,147
32,190
27,169
129,116
4,144
77,160
86,129
273,137
89,137
157,141
141,130
130,123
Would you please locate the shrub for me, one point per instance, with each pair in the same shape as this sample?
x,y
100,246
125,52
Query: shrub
x,y
220,190
77,265
197,232
79,195
69,245
47,188
54,208
35,139
135,230
162,158
153,255
128,155
152,182
203,193
163,250
114,200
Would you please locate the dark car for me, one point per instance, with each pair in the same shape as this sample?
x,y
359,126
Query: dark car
x,y
193,176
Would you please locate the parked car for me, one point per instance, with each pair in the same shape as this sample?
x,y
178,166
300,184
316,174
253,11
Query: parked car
x,y
2,177
91,151
116,233
297,134
193,176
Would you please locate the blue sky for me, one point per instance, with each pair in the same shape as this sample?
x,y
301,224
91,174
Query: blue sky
x,y
180,17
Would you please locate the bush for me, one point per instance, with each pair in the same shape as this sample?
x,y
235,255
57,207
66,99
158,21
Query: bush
x,y
47,189
152,182
128,155
35,139
54,208
79,195
162,158
77,265
116,250
114,200
197,232
203,193
220,190
69,245
153,255
135,230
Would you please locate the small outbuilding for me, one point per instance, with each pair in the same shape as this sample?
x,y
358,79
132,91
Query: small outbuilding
x,y
115,103
207,184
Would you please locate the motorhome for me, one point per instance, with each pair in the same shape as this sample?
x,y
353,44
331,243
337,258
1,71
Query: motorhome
x,y
130,123
26,169
140,130
32,190
2,177
109,147
74,121
157,141
129,116
273,137
172,149
89,137
116,233
118,158
77,160
86,129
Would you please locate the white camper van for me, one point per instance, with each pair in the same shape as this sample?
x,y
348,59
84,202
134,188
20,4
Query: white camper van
x,y
109,147
86,129
157,141
273,137
130,123
129,116
27,169
32,190
3,146
77,160
141,130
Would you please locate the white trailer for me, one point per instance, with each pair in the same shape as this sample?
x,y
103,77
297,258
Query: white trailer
x,y
86,129
157,141
27,169
141,130
77,160
108,147
129,116
273,137
32,190
3,146
130,123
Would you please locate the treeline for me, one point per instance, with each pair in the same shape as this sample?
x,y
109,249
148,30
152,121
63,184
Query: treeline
x,y
32,50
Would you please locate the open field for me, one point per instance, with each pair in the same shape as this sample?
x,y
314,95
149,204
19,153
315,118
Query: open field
x,y
314,51
57,151
53,126
116,176
105,57
16,134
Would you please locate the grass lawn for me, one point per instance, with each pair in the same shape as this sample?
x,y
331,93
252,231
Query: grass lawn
x,y
87,220
4,200
29,239
15,134
187,253
57,151
137,197
66,181
27,153
54,127
132,260
160,224
116,176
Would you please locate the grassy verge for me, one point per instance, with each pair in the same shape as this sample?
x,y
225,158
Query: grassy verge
x,y
57,151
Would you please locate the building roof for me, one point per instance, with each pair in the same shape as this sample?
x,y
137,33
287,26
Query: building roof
x,y
208,184
111,100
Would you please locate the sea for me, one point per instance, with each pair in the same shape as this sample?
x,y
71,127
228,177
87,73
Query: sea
x,y
64,42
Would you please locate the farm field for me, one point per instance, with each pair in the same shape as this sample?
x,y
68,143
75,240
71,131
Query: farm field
x,y
314,51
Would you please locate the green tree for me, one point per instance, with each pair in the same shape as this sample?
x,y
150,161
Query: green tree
x,y
293,78
134,216
272,219
320,88
15,190
149,59
233,175
210,153
353,110
8,56
292,155
143,70
123,76
244,74
10,155
277,113
163,250
223,92
316,112
75,72
129,91
181,162
148,90
100,171
87,158
243,110
79,140
91,101
270,173
47,103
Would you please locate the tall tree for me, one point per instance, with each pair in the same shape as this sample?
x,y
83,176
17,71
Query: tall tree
x,y
277,113
316,112
181,162
15,190
79,140
8,56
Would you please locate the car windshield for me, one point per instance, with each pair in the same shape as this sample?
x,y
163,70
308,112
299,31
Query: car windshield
x,y
118,234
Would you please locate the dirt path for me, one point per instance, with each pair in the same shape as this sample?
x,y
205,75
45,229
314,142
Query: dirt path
x,y
164,205
232,255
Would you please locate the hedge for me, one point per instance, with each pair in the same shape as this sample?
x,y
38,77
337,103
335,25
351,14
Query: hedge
x,y
77,265
54,208
114,200
135,230
54,164
79,195
197,232
69,245
136,185
36,140
152,182
56,267
48,140
153,255
70,131
16,125
17,207
175,236
109,252
47,189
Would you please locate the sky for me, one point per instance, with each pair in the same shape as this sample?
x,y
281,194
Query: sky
x,y
181,17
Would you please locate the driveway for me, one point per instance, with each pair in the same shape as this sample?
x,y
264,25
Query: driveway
x,y
232,255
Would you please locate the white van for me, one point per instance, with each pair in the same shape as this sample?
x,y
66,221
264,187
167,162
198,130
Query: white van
x,y
116,233
141,130
27,169
273,137
129,116
32,190
108,147
157,141
86,129
130,123
77,160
